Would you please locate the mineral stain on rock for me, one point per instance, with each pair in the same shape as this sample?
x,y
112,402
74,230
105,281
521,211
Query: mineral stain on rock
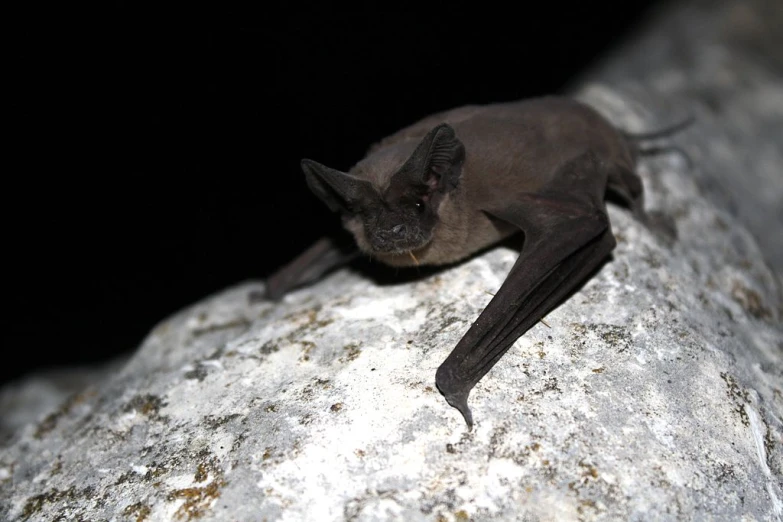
x,y
148,405
198,373
50,421
614,336
34,505
138,512
750,300
738,395
198,501
306,322
307,349
352,351
214,422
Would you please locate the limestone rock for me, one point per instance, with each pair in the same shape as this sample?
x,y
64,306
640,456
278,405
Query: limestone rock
x,y
25,400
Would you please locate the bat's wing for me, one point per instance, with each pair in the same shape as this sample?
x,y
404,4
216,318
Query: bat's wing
x,y
567,236
323,256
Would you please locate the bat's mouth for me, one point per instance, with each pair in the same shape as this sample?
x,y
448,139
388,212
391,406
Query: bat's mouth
x,y
401,254
399,239
398,247
392,244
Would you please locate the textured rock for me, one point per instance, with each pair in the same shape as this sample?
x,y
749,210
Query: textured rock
x,y
27,399
657,392
721,60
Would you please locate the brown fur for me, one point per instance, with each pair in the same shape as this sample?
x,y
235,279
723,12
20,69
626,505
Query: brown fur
x,y
518,146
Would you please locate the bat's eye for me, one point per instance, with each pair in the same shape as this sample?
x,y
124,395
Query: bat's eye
x,y
419,207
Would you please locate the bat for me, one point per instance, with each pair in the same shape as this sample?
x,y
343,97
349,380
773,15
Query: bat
x,y
462,180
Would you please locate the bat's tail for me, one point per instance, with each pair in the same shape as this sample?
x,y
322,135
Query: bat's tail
x,y
634,139
660,133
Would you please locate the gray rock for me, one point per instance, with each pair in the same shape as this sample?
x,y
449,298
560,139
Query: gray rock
x,y
722,61
655,393
25,400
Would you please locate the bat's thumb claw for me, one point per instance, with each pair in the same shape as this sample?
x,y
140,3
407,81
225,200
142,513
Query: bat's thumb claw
x,y
455,393
460,401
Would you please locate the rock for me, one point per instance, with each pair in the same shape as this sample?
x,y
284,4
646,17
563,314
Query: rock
x,y
721,61
656,391
25,400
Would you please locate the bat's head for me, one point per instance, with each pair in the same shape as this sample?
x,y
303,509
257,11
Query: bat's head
x,y
390,201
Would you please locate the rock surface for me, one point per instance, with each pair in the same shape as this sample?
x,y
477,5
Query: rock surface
x,y
655,394
25,400
721,60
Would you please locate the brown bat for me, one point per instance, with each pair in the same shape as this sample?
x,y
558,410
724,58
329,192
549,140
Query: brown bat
x,y
461,180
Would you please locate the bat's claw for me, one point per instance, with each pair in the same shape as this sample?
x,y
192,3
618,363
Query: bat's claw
x,y
461,403
454,393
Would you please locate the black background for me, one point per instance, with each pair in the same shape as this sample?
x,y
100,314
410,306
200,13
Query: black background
x,y
158,163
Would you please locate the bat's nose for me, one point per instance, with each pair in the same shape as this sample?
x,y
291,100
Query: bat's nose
x,y
399,231
391,238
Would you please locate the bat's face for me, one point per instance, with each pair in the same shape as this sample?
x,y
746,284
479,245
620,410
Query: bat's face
x,y
393,221
392,208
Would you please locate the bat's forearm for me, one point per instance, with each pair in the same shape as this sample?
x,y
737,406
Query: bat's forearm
x,y
323,256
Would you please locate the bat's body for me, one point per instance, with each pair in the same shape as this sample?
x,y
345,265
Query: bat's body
x,y
459,181
512,150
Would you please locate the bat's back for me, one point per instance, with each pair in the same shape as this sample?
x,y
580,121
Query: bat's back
x,y
520,145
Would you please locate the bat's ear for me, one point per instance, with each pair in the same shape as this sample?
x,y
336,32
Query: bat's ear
x,y
437,161
340,191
